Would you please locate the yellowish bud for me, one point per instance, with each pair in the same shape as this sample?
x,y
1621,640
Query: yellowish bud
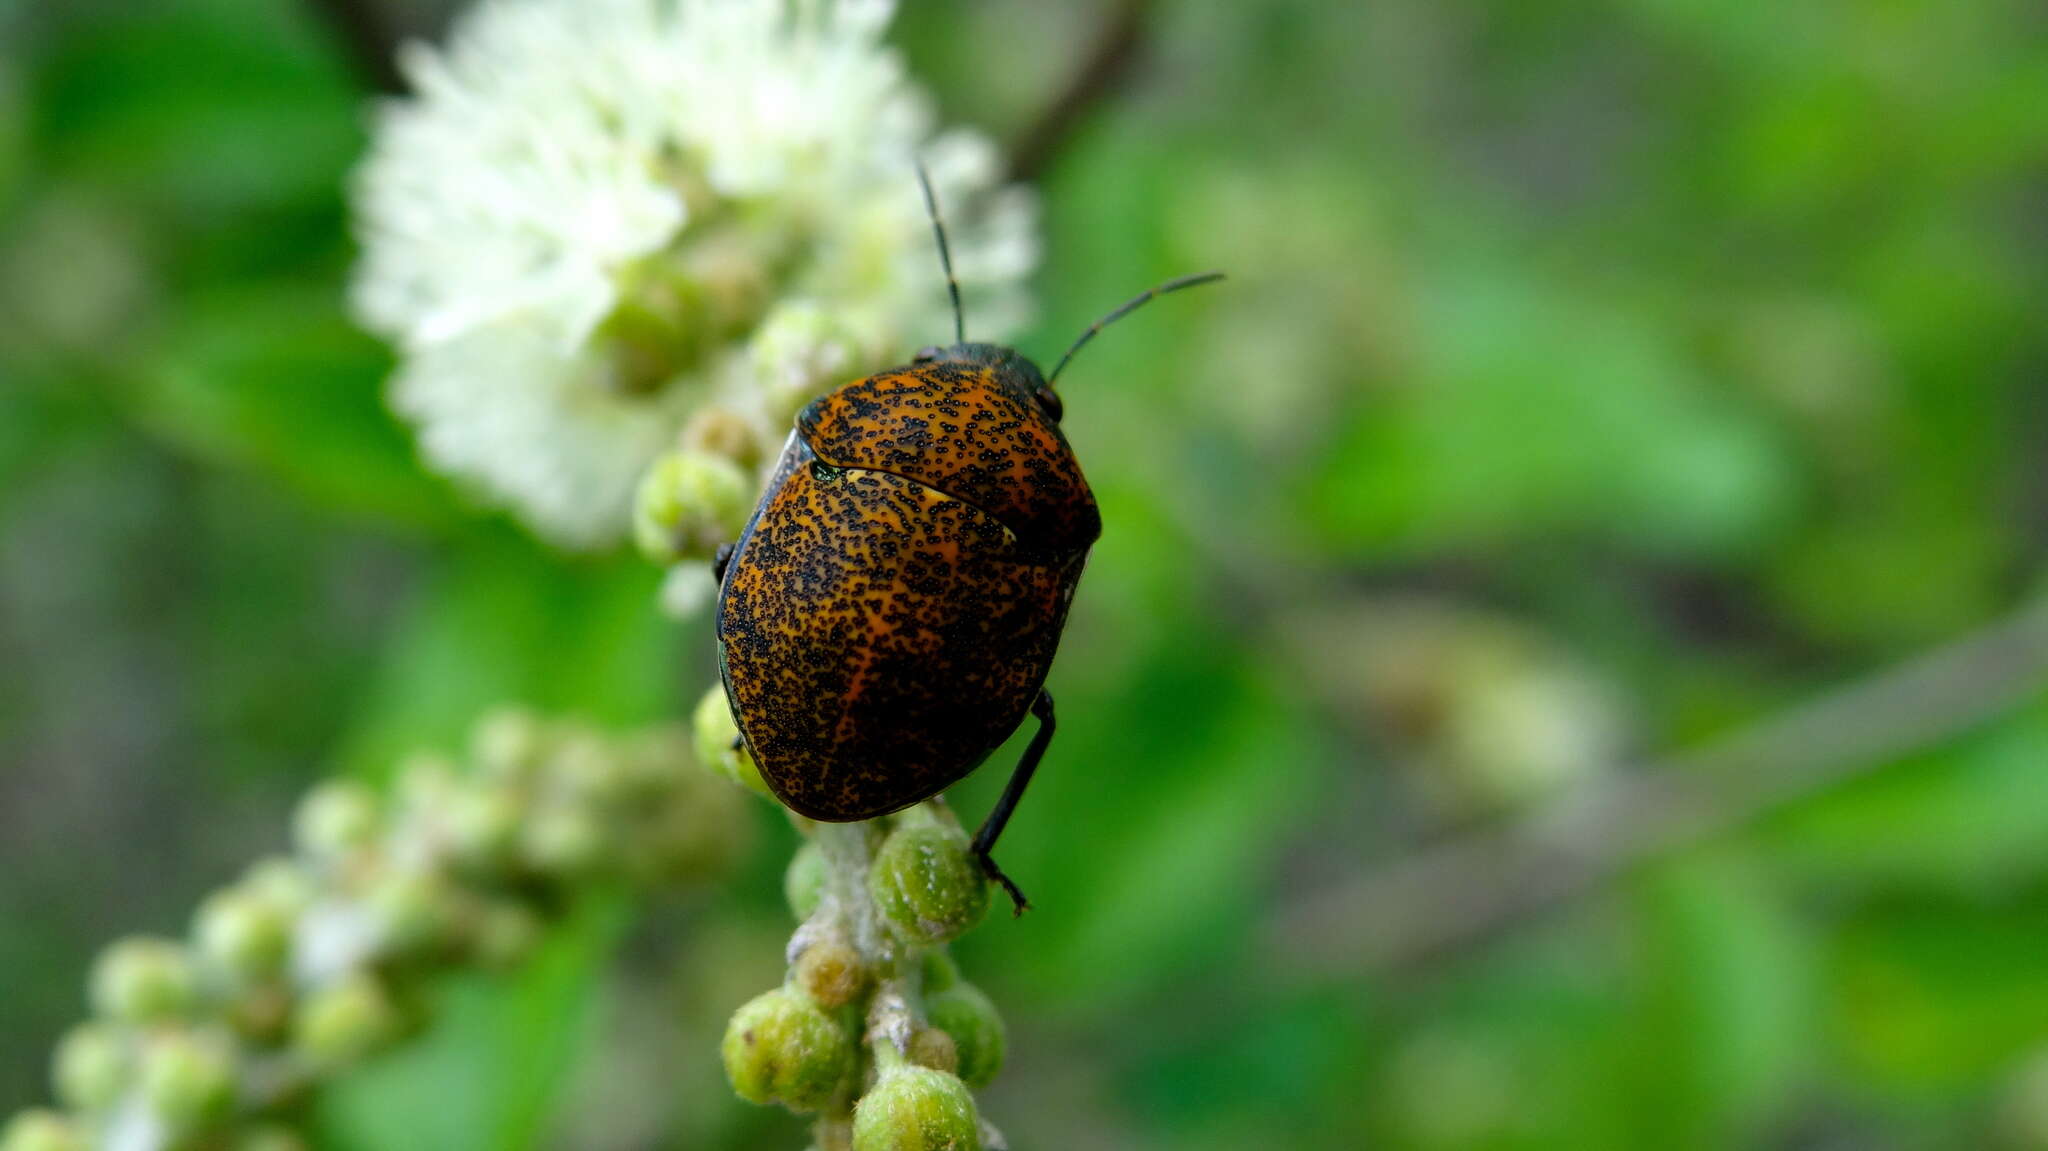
x,y
831,973
782,1048
718,743
143,981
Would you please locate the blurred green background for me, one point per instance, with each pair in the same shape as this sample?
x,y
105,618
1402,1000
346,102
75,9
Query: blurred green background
x,y
1594,379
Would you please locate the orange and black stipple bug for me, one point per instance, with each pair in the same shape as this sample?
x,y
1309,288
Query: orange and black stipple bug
x,y
889,613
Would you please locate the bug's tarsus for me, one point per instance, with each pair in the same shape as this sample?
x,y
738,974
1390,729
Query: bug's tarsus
x,y
1018,904
931,207
718,561
1020,778
1125,308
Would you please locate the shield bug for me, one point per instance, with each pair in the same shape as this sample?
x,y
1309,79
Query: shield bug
x,y
888,614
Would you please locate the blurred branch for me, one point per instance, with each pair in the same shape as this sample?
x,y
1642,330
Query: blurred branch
x,y
1465,890
1695,607
1117,51
327,958
370,39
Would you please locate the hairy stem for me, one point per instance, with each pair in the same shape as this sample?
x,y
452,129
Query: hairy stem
x,y
1118,49
1466,890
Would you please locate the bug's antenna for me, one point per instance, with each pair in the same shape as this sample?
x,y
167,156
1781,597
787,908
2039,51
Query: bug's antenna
x,y
1125,309
931,207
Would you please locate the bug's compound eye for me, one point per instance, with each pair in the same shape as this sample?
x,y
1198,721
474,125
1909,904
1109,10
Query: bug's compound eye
x,y
1050,401
926,355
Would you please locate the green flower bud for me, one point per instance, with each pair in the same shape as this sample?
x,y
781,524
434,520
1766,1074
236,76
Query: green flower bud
x,y
686,588
509,744
803,885
143,981
720,431
337,817
927,883
940,972
414,909
964,1013
689,502
800,350
483,825
345,1020
425,782
260,1011
41,1131
565,839
506,932
917,1109
831,973
188,1081
782,1048
244,934
718,746
92,1067
283,884
586,767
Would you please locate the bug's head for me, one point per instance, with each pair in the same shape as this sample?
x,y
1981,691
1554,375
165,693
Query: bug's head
x,y
1012,369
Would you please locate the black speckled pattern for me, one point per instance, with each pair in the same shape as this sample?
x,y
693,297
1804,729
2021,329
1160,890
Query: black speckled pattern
x,y
881,634
971,431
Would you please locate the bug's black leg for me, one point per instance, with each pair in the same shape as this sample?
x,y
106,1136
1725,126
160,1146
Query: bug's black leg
x,y
985,839
718,561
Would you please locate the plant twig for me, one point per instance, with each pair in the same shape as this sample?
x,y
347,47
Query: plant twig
x,y
1466,890
1116,55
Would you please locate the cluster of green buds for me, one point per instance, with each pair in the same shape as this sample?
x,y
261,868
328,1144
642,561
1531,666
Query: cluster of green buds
x,y
698,494
873,1030
313,962
693,498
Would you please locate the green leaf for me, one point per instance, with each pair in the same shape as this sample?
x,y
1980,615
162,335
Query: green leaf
x,y
1720,965
274,379
1960,820
211,104
505,622
489,1071
1149,832
1936,998
1540,412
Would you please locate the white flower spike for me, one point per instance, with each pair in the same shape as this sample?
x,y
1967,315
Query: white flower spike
x,y
598,217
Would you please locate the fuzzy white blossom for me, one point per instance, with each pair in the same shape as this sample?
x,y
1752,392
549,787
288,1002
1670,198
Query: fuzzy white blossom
x,y
597,217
